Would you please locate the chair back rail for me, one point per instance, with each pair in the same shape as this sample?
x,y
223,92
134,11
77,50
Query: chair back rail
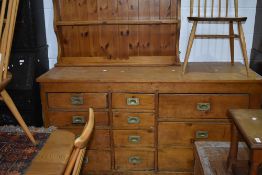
x,y
76,158
202,8
7,24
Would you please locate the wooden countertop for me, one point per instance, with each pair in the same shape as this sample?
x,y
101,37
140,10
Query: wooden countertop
x,y
198,72
249,122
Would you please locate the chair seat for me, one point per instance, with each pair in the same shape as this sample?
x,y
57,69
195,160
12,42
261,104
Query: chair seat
x,y
217,19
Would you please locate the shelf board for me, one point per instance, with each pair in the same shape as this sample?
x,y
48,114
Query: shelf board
x,y
118,22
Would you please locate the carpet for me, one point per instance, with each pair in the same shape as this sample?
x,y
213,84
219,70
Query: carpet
x,y
16,151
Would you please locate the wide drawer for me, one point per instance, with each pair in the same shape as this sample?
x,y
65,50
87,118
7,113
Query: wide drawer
x,y
184,133
77,100
133,101
76,118
100,138
128,159
200,105
134,138
176,159
97,161
133,120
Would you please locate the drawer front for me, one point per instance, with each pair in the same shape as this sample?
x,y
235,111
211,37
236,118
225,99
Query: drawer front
x,y
77,100
126,159
64,119
176,159
133,101
199,105
100,138
97,161
133,138
180,133
133,120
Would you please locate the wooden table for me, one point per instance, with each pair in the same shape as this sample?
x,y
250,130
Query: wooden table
x,y
248,124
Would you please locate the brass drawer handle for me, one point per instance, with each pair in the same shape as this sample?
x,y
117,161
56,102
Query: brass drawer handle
x,y
202,135
134,139
132,101
77,100
78,120
134,160
133,120
203,106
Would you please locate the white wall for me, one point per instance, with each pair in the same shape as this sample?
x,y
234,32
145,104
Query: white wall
x,y
203,50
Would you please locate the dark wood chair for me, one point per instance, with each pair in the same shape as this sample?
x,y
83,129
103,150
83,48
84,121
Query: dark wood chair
x,y
202,16
7,24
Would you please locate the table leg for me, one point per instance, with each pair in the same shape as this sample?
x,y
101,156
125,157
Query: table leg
x,y
232,156
255,160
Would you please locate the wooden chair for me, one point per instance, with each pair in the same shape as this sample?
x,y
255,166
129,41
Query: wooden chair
x,y
201,16
7,24
62,153
75,161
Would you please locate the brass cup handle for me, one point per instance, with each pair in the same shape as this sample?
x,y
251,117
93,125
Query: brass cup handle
x,y
202,135
134,160
77,100
203,106
132,101
134,139
133,120
78,120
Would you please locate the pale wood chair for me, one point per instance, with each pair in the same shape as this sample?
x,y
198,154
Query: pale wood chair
x,y
7,24
62,153
202,16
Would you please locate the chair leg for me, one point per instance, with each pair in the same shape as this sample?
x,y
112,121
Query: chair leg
x,y
9,102
243,45
189,46
231,41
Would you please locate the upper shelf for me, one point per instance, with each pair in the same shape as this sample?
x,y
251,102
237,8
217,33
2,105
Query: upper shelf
x,y
117,32
117,22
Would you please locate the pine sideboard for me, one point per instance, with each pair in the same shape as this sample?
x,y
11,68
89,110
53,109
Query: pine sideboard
x,y
147,118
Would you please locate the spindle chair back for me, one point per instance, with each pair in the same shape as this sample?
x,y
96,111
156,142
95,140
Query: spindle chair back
x,y
7,25
208,12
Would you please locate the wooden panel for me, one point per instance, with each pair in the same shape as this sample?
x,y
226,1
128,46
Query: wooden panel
x,y
185,105
121,120
122,157
83,100
84,31
145,101
64,119
185,133
97,161
142,138
176,159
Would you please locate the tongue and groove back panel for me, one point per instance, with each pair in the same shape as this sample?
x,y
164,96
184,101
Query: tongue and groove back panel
x,y
117,32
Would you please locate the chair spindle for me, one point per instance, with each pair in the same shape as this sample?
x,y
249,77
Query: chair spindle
x,y
212,9
205,11
191,7
199,5
219,8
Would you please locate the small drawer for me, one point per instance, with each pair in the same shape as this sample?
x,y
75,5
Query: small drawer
x,y
184,133
133,101
134,138
65,119
100,138
133,120
77,100
128,159
176,159
200,105
97,160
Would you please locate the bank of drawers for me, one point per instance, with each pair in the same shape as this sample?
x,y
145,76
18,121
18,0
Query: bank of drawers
x,y
70,111
185,118
134,131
